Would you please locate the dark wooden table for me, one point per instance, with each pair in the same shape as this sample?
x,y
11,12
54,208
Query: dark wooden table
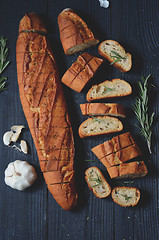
x,y
33,214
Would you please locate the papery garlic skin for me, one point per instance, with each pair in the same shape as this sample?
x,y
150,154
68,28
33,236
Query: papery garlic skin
x,y
20,175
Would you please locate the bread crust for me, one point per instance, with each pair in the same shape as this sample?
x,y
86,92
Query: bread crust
x,y
112,93
137,196
74,33
45,107
81,71
110,59
128,170
110,109
113,145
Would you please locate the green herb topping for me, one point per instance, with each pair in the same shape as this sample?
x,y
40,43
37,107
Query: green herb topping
x,y
106,89
117,57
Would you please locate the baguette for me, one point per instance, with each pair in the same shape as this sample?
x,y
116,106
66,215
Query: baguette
x,y
113,145
116,54
45,109
109,89
99,125
97,183
128,170
74,33
121,156
81,71
126,196
106,109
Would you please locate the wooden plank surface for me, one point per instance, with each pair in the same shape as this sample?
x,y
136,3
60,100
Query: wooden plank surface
x,y
34,214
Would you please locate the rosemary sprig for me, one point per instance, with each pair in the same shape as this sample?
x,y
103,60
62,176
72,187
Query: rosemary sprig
x,y
3,62
141,110
97,180
126,197
117,57
107,89
88,160
98,120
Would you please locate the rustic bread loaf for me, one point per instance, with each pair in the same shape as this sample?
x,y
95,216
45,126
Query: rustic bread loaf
x,y
99,125
97,183
121,156
109,89
96,109
126,196
128,170
45,109
116,54
113,145
74,33
81,71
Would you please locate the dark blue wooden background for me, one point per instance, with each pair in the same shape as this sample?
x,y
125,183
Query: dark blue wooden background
x,y
33,214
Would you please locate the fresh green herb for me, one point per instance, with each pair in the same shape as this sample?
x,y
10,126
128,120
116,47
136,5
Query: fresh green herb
x,y
106,89
142,111
126,197
91,161
3,61
97,119
117,57
97,180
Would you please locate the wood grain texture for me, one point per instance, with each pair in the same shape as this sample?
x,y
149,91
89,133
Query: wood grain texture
x,y
34,214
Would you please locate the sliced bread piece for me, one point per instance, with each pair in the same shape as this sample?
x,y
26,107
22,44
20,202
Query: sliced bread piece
x,y
109,89
74,33
96,109
113,145
121,156
128,170
126,196
97,183
81,71
116,54
99,125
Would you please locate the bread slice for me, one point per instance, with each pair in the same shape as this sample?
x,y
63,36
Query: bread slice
x,y
99,125
121,156
128,170
109,89
106,109
126,196
81,71
74,33
97,183
113,145
116,54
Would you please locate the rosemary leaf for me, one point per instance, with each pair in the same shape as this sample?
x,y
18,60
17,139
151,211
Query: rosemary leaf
x,y
97,119
126,197
117,57
107,89
141,110
91,161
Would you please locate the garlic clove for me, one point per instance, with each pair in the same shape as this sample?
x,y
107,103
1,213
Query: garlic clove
x,y
7,138
24,146
17,128
15,137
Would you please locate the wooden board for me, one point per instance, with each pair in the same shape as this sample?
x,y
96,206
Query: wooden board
x,y
33,214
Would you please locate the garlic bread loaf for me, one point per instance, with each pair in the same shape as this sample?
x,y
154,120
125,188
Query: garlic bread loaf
x,y
81,71
99,125
74,33
97,183
113,145
107,109
45,109
109,89
116,54
128,170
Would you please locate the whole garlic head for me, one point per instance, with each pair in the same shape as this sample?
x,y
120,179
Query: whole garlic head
x,y
20,175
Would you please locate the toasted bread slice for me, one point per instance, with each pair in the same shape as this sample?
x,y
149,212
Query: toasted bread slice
x,y
99,125
81,71
128,170
106,109
121,156
113,145
109,89
126,196
74,33
97,183
116,54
